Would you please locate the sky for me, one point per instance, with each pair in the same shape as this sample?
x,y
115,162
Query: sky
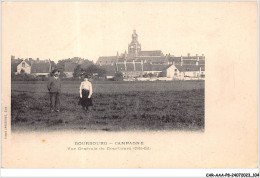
x,y
59,30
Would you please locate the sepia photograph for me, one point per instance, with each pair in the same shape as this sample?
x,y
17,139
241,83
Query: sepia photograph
x,y
129,84
134,90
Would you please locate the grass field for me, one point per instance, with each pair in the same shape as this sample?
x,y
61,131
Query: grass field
x,y
118,106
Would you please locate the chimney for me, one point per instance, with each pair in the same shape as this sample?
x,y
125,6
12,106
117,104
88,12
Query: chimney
x,y
188,54
172,59
197,59
181,60
197,62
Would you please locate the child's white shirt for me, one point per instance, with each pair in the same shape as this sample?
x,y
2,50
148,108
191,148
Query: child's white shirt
x,y
87,86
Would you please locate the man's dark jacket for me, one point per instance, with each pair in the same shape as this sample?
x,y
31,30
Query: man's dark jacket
x,y
54,85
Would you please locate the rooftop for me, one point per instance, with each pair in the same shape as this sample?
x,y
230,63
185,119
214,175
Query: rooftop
x,y
41,67
151,53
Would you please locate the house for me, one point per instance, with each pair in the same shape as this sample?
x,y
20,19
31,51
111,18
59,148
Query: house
x,y
14,64
20,65
24,67
191,71
41,68
185,72
172,72
186,67
30,66
155,69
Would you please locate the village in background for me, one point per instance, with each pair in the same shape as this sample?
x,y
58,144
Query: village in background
x,y
134,65
173,100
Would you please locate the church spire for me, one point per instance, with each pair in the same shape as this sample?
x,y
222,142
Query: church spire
x,y
134,36
134,47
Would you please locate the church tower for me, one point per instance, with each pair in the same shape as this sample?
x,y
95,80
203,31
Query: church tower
x,y
134,47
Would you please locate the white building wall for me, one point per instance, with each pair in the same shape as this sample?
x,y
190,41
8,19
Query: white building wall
x,y
172,72
41,74
151,72
69,74
192,73
24,66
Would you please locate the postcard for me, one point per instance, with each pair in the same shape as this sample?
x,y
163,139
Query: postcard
x,y
129,85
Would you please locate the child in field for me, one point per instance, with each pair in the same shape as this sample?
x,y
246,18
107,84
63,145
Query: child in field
x,y
85,92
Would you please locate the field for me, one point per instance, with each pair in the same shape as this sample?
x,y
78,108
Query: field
x,y
118,106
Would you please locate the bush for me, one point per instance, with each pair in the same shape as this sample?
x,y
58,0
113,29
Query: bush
x,y
92,70
27,77
23,77
149,75
118,76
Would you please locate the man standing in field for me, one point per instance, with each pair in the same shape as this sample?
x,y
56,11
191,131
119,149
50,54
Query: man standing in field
x,y
54,87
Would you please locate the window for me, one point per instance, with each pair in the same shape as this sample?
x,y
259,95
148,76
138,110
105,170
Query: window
x,y
175,70
23,64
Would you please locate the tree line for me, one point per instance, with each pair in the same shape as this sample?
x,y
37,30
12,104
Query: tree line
x,y
85,67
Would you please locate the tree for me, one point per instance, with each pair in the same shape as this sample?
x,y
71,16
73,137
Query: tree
x,y
78,72
145,75
96,70
83,62
162,74
102,72
92,70
22,73
150,75
118,76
